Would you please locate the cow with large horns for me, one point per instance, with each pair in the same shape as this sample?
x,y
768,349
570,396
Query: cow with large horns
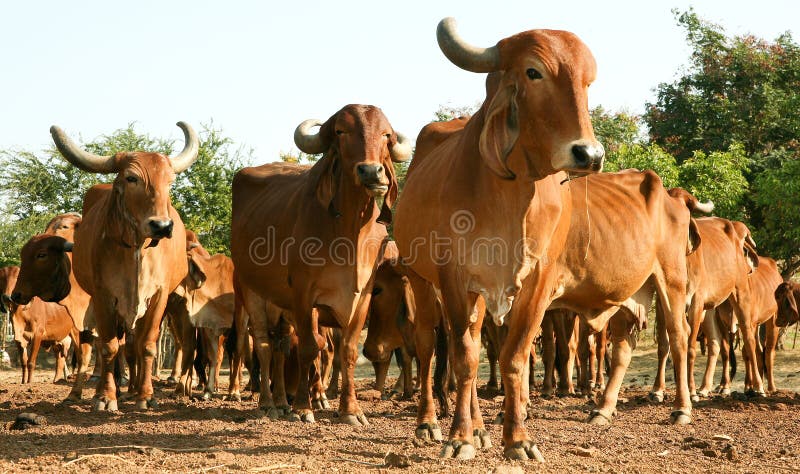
x,y
129,253
497,181
308,239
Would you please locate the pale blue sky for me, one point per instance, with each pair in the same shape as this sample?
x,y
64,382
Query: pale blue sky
x,y
258,68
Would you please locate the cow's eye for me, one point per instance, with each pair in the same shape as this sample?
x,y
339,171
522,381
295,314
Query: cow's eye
x,y
377,290
533,73
131,179
41,255
387,135
339,132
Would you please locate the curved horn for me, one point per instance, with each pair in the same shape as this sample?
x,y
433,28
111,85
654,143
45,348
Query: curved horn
x,y
80,157
401,151
308,141
463,54
185,158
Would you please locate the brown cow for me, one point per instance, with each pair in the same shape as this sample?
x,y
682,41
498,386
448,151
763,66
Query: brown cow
x,y
716,269
38,323
391,322
496,186
42,257
129,253
786,296
560,332
204,302
592,348
308,239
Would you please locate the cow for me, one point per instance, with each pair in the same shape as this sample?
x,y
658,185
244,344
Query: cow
x,y
129,254
42,258
38,323
8,279
786,296
592,358
560,331
308,240
496,182
391,323
716,269
204,303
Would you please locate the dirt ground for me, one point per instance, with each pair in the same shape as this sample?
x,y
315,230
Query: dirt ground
x,y
181,435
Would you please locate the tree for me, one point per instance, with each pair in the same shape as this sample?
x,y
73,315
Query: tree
x,y
739,89
450,112
645,157
720,177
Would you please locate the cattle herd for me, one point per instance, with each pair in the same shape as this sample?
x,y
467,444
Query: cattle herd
x,y
505,230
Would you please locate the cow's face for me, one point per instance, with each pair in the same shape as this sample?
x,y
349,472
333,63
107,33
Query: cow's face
x,y
8,278
359,146
44,270
537,102
64,225
141,194
391,309
787,305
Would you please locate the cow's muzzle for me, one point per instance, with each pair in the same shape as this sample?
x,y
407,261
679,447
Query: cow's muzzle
x,y
588,157
161,228
373,178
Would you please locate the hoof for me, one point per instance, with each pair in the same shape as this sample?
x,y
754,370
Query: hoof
x,y
680,417
457,449
172,379
695,398
596,417
429,432
234,397
523,451
144,404
306,416
207,396
93,379
481,439
279,413
498,420
754,394
656,397
320,404
73,397
101,404
353,419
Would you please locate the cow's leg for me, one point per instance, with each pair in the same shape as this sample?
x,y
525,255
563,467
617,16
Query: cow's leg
x,y
465,322
406,376
86,341
749,351
187,339
132,356
241,344
620,328
695,319
548,354
770,344
211,351
310,343
523,324
480,436
563,326
105,397
659,383
61,351
425,341
673,295
491,355
336,364
713,338
177,366
327,357
146,347
36,343
22,350
381,369
349,411
601,342
319,401
264,317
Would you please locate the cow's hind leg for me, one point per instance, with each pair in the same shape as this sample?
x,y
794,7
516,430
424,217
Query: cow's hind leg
x,y
620,328
659,383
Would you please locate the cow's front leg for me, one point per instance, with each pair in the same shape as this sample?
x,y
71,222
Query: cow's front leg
x,y
146,347
349,411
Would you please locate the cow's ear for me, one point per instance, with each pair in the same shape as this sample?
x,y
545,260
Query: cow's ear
x,y
500,131
694,237
408,300
752,258
197,274
327,178
385,216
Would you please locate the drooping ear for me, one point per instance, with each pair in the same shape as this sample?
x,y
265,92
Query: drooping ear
x,y
694,237
121,225
408,300
385,216
752,258
785,299
197,273
500,131
327,178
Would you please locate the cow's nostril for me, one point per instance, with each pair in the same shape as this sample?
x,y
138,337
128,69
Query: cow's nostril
x,y
581,154
161,228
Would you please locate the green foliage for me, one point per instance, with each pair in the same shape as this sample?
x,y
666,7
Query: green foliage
x,y
739,89
645,157
615,129
720,177
776,192
14,234
299,157
449,112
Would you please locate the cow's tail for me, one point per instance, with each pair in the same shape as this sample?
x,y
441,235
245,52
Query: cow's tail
x,y
732,354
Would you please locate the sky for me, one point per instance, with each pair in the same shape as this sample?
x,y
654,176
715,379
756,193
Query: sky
x,y
259,68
